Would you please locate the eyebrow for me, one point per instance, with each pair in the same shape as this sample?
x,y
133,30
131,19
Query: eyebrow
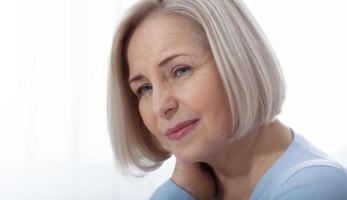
x,y
161,64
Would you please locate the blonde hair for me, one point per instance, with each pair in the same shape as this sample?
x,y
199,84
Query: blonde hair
x,y
247,65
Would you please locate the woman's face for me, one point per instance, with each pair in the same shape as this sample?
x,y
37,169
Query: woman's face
x,y
178,82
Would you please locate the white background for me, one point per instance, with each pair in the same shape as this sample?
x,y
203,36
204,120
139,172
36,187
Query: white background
x,y
54,56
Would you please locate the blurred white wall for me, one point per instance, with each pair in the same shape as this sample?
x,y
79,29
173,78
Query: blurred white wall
x,y
54,56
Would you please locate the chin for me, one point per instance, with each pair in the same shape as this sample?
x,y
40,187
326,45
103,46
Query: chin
x,y
190,157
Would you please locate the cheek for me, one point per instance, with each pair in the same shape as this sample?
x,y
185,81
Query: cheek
x,y
210,100
147,117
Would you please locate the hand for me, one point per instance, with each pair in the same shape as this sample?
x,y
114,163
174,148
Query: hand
x,y
196,178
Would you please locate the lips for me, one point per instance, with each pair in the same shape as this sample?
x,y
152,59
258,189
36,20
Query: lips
x,y
180,126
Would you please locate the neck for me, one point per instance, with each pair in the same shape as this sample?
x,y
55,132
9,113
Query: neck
x,y
241,163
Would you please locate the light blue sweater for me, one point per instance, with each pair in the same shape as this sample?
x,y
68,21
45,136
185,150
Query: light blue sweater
x,y
302,172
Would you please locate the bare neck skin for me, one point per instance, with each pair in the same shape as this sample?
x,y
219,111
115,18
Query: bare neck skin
x,y
239,165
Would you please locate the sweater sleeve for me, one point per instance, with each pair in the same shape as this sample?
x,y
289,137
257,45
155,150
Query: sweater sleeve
x,y
169,190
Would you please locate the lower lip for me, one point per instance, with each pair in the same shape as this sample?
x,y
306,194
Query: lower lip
x,y
182,132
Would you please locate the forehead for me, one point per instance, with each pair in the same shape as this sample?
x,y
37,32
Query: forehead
x,y
158,36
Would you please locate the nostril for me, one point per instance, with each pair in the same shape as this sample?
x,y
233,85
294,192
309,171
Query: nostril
x,y
168,110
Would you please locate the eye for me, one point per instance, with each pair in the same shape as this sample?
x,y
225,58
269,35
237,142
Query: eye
x,y
181,70
142,89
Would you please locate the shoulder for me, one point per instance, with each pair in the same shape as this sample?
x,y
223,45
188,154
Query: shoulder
x,y
314,181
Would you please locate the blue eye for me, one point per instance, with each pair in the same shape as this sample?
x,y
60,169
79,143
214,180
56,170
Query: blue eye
x,y
181,70
142,90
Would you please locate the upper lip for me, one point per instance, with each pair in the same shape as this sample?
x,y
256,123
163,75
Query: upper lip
x,y
180,126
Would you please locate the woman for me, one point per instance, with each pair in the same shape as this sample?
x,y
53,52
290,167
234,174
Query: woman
x,y
198,79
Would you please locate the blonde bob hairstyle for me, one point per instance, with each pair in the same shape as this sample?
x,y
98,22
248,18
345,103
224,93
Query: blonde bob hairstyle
x,y
247,65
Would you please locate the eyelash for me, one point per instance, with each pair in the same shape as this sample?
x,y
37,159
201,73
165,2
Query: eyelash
x,y
176,69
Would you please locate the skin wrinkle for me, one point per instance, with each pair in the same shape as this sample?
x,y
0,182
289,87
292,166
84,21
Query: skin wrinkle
x,y
147,50
169,39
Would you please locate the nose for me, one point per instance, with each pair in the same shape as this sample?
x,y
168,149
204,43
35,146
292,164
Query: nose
x,y
164,103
